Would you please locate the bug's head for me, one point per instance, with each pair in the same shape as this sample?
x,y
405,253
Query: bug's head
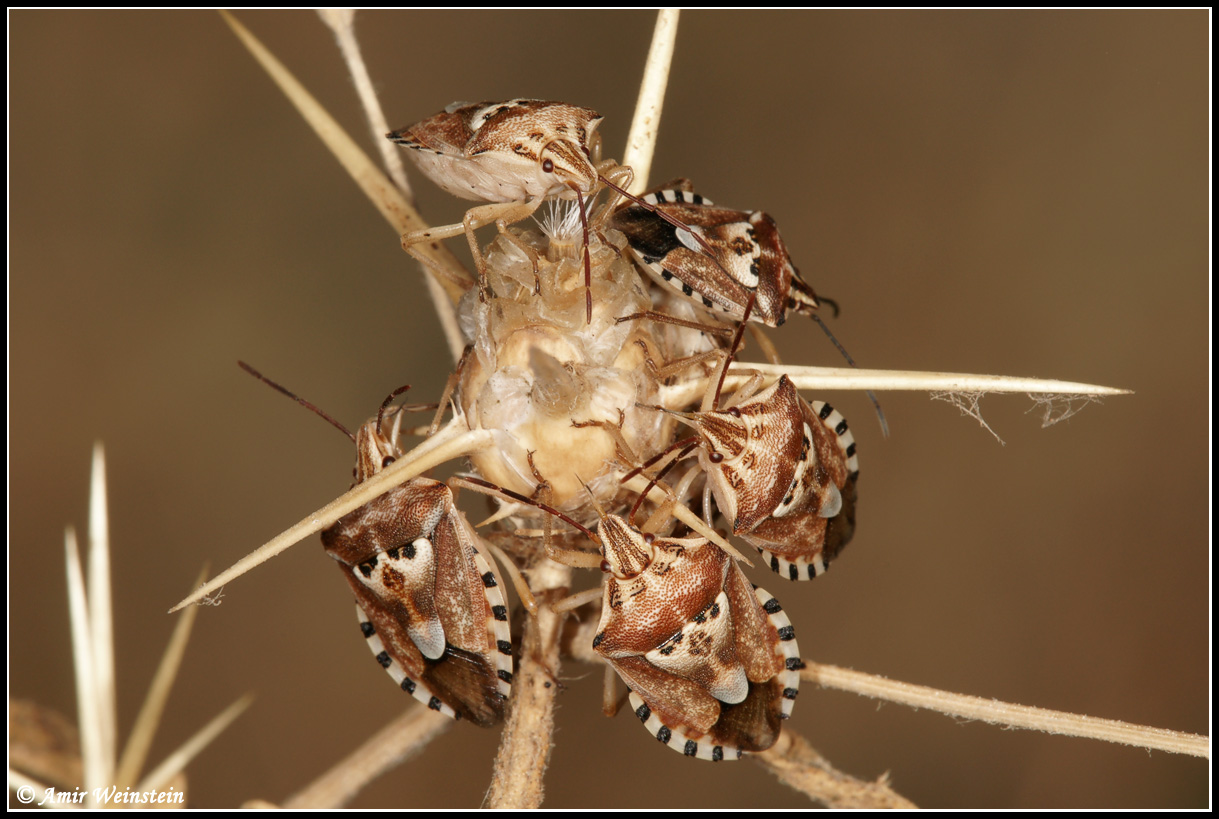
x,y
627,551
377,440
550,145
568,163
374,450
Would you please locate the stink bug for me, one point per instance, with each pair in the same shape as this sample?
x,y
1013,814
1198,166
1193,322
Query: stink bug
x,y
712,663
514,151
748,255
428,599
783,473
512,154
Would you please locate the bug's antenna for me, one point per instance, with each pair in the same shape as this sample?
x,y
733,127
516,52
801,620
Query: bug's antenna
x,y
880,413
487,488
300,400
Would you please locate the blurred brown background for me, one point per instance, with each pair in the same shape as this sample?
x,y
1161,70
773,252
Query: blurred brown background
x,y
1019,193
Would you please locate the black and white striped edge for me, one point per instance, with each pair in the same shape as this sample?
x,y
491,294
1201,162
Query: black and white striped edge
x,y
704,748
497,624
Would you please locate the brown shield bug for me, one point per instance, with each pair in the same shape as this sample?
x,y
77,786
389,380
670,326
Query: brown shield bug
x,y
514,151
428,599
512,154
783,474
748,255
712,663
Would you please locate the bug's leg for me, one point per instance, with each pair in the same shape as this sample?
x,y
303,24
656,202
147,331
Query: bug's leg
x,y
746,390
619,176
576,600
611,700
626,455
661,372
502,214
450,387
528,252
475,218
667,319
662,515
429,236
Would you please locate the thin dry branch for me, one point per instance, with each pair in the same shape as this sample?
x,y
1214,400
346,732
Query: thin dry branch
x,y
645,125
135,754
454,441
101,619
177,761
342,23
847,378
397,742
798,765
87,704
1006,714
393,206
524,751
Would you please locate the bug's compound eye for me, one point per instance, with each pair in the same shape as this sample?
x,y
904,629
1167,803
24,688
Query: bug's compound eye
x,y
387,460
716,457
734,412
605,566
649,538
547,165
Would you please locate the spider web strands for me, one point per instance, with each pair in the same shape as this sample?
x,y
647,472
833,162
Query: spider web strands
x,y
846,378
1006,714
453,441
384,195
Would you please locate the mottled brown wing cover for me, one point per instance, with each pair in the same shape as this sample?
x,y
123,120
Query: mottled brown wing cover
x,y
761,441
493,151
464,677
803,533
773,481
675,591
751,257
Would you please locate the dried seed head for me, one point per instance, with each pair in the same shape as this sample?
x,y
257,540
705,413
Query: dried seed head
x,y
539,370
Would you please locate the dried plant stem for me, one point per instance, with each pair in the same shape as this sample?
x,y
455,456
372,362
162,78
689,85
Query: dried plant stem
x,y
136,751
847,378
87,704
389,747
641,140
101,621
393,206
524,752
342,23
1007,714
797,764
453,441
160,776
